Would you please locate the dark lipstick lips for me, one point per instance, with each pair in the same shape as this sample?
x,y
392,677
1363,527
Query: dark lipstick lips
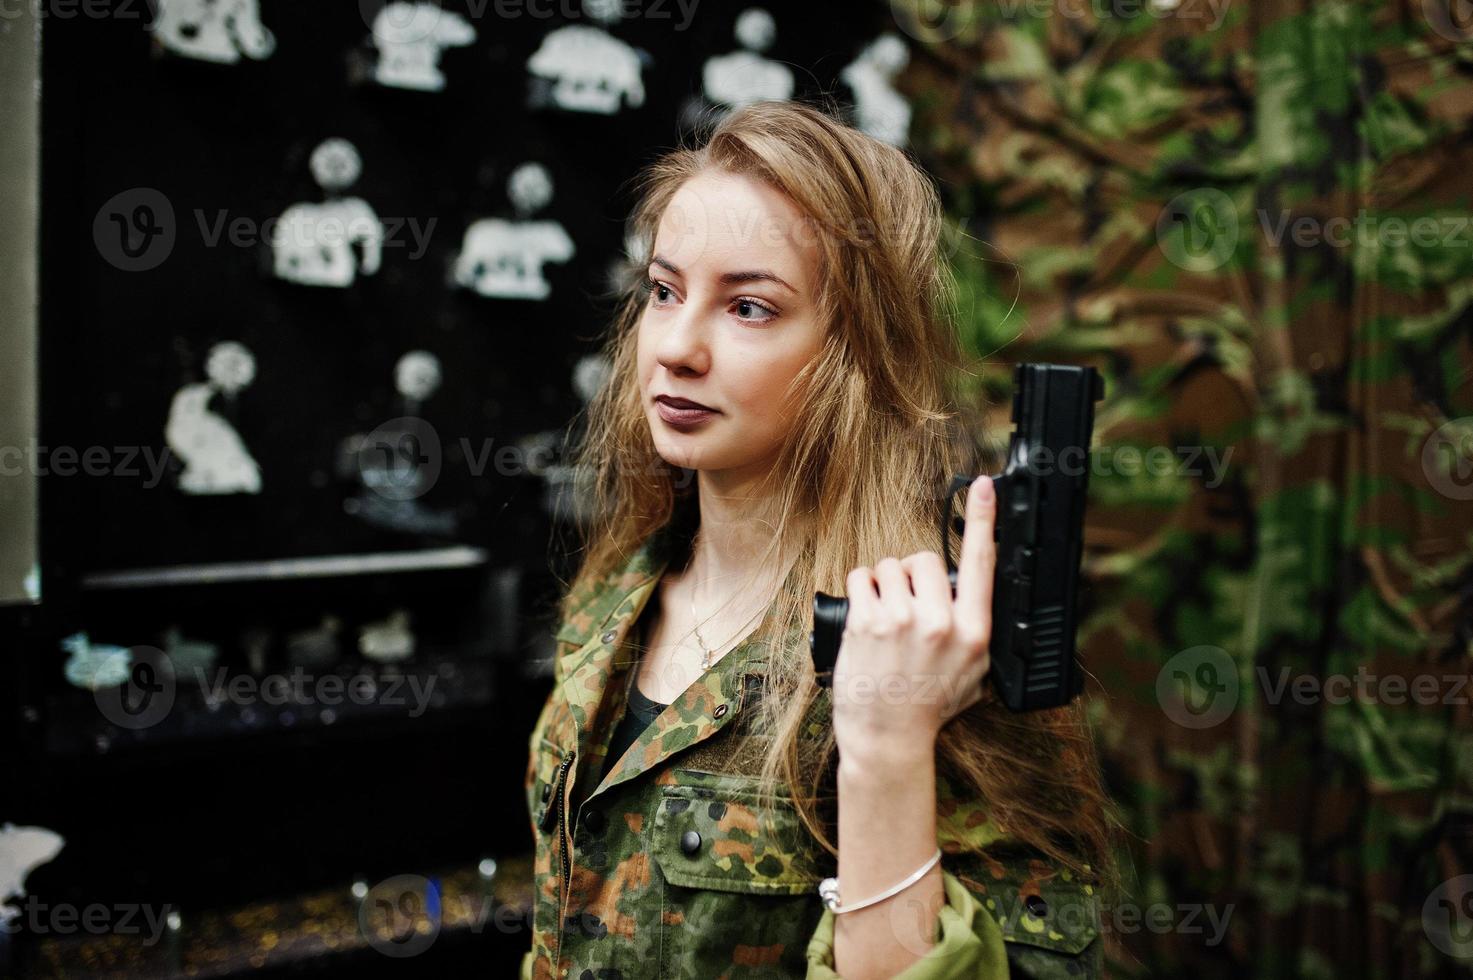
x,y
674,402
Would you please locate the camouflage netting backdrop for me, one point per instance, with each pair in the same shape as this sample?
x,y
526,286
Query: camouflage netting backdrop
x,y
1254,219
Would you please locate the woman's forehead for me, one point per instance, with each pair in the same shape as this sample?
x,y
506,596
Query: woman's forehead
x,y
716,222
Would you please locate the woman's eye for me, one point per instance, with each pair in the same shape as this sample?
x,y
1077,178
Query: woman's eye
x,y
753,311
659,291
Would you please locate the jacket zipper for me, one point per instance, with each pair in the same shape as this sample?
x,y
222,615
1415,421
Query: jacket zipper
x,y
564,874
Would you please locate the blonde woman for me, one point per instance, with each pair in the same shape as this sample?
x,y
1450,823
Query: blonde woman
x,y
781,418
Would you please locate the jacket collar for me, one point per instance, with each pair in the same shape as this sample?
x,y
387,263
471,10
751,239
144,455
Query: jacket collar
x,y
592,679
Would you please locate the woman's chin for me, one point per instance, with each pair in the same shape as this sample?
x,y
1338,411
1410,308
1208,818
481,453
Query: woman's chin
x,y
680,459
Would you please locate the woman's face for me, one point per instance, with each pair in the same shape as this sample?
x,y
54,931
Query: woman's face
x,y
729,322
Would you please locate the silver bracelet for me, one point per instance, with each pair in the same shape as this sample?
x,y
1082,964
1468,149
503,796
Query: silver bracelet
x,y
828,889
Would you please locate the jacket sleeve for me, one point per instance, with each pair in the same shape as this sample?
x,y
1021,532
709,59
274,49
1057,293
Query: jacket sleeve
x,y
969,945
1009,913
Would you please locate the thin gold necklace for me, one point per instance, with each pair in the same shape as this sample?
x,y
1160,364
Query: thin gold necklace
x,y
707,653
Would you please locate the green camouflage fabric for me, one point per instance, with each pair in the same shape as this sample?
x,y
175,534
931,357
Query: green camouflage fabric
x,y
670,866
1254,219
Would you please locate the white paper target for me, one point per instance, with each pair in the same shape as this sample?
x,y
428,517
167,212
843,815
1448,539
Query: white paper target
x,y
23,850
410,38
314,244
417,375
505,259
880,110
745,76
215,458
589,69
212,30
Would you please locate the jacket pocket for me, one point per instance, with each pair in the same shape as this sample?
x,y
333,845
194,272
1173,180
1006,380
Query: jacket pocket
x,y
740,893
716,836
1040,908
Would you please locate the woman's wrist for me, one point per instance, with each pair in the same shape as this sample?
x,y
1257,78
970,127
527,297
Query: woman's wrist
x,y
873,755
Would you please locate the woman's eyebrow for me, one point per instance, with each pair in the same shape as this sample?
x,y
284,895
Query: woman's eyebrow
x,y
730,278
756,275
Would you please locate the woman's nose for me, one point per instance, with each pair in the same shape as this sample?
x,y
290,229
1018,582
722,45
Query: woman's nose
x,y
683,348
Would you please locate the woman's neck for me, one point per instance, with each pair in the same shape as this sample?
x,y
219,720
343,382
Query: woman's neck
x,y
738,524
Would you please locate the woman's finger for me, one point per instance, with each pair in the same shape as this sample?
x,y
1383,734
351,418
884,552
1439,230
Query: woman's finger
x,y
895,597
859,587
977,561
929,583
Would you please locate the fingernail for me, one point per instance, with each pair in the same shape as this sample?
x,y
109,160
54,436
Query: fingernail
x,y
984,487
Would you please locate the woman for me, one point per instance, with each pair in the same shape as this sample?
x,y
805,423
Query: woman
x,y
780,418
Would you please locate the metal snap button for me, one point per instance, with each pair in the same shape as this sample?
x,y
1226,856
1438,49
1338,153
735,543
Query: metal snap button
x,y
720,710
690,842
546,792
1036,906
608,637
593,822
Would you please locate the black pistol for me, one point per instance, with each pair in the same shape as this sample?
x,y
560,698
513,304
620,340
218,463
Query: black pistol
x,y
1040,538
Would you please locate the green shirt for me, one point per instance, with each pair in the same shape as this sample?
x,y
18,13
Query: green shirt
x,y
662,864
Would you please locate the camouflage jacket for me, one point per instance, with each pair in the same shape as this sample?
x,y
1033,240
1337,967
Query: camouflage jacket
x,y
668,867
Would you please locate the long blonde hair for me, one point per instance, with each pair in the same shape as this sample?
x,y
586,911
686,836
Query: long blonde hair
x,y
883,429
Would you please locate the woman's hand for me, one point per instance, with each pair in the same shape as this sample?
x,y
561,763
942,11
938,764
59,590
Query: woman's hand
x,y
910,658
